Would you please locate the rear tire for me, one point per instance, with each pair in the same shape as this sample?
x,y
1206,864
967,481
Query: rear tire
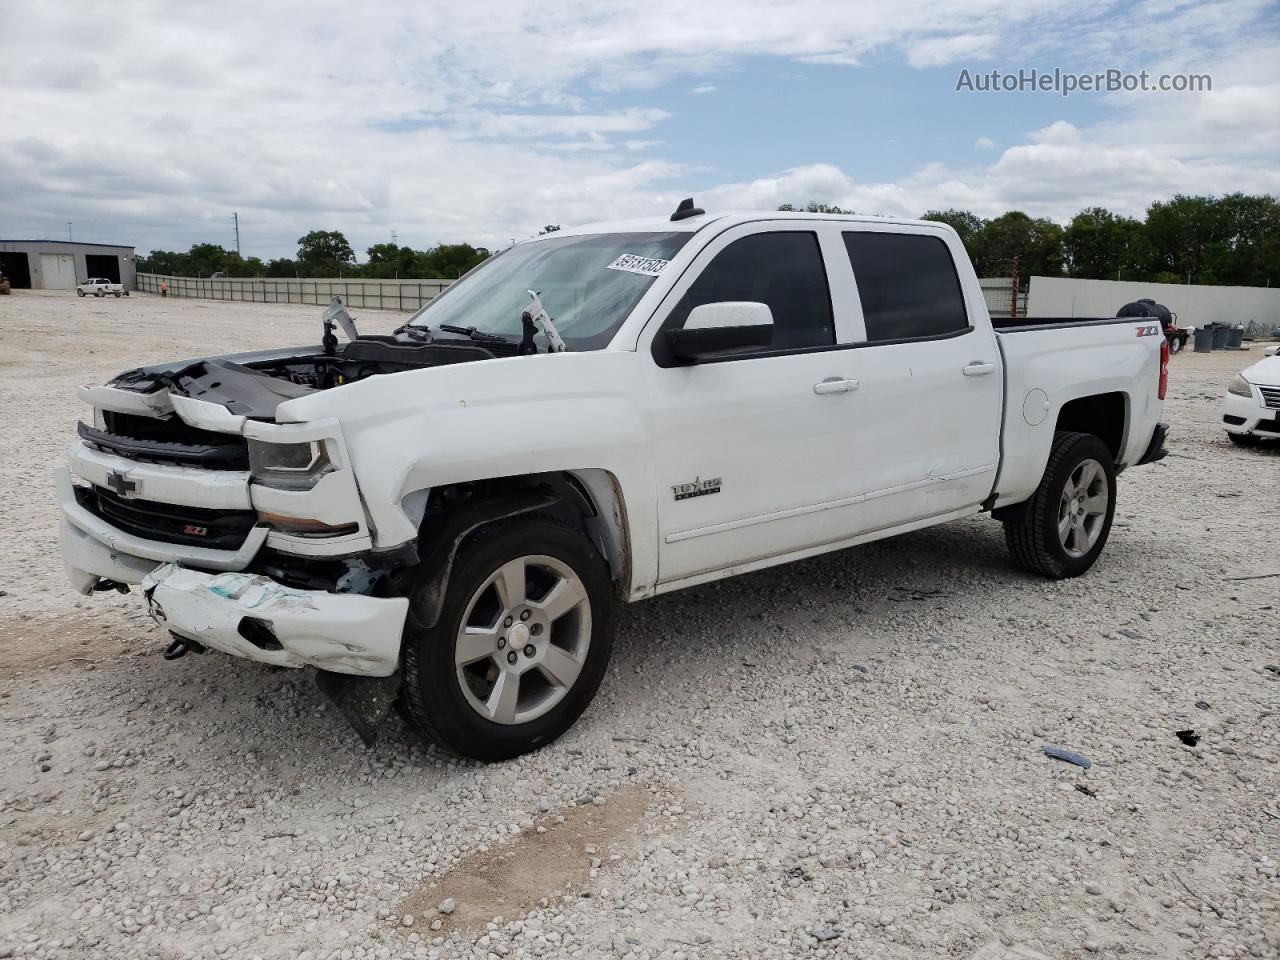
x,y
1243,439
1061,530
514,657
1175,345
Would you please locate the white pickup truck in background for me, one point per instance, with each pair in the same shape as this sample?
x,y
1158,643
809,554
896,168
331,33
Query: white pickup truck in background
x,y
443,518
100,287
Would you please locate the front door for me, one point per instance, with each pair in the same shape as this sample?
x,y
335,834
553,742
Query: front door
x,y
754,452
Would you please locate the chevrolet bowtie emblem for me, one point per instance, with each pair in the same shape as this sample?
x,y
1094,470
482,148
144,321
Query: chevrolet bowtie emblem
x,y
121,484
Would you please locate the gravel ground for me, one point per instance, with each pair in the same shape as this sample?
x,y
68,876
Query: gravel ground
x,y
841,757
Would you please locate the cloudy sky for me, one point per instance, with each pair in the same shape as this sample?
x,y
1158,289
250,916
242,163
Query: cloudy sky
x,y
150,123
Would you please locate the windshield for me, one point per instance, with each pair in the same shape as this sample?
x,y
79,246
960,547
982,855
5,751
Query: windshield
x,y
588,285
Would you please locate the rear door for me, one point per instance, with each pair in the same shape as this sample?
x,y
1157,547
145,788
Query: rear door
x,y
752,461
929,369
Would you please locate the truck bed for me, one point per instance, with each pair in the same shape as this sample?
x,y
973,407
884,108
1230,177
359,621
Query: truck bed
x,y
1021,324
1051,361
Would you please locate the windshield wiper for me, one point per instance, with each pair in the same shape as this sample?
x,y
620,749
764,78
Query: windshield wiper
x,y
475,334
421,334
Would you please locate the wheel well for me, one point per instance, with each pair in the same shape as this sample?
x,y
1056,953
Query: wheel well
x,y
589,500
1104,415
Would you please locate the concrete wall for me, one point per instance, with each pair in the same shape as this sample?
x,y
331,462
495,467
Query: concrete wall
x,y
369,294
34,248
1195,305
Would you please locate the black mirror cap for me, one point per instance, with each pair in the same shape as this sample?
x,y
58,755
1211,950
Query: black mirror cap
x,y
691,346
686,209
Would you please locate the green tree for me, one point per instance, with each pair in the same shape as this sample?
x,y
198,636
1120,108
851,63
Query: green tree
x,y
448,260
283,267
168,262
324,251
968,225
1102,246
815,207
1036,244
1180,231
388,260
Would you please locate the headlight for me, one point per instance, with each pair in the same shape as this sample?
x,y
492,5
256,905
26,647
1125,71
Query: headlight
x,y
1240,387
289,466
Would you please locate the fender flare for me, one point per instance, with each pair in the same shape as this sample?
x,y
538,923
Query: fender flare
x,y
438,543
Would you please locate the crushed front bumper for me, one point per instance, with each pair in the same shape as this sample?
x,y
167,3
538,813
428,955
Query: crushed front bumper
x,y
252,616
247,615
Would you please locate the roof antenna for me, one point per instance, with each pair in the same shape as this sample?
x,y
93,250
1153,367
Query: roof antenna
x,y
686,210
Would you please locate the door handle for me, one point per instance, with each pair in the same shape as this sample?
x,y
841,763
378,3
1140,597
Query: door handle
x,y
978,369
834,385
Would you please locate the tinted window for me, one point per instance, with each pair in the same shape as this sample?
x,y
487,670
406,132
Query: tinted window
x,y
908,285
783,270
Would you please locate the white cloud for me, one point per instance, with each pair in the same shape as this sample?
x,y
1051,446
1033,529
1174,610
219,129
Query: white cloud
x,y
705,88
940,51
984,143
485,120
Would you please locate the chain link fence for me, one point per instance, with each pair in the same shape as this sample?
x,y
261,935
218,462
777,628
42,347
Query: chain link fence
x,y
407,295
998,292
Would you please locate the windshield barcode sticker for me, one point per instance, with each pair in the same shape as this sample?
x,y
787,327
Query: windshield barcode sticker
x,y
631,263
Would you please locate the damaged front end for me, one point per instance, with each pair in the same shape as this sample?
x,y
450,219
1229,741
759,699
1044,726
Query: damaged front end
x,y
247,535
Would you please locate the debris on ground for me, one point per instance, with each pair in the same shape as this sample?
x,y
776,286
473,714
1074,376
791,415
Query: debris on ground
x,y
1189,737
905,594
1070,756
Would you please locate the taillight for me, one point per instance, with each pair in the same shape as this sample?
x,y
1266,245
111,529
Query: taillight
x,y
1164,367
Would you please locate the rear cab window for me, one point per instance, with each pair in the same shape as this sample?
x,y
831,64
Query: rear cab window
x,y
908,286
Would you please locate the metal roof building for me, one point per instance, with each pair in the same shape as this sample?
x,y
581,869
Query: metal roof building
x,y
61,264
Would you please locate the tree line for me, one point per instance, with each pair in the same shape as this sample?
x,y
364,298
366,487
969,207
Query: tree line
x,y
1234,239
321,253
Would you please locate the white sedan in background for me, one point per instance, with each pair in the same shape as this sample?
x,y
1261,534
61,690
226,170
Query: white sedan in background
x,y
1251,411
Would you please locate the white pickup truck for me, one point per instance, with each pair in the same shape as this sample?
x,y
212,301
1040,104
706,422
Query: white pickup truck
x,y
100,287
442,519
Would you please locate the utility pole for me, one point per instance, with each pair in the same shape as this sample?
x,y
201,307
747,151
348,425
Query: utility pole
x,y
235,218
68,230
395,241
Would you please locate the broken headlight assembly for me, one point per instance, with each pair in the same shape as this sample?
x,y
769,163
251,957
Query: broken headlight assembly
x,y
289,466
1240,387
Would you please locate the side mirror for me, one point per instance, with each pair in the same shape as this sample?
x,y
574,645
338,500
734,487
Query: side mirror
x,y
717,328
1270,351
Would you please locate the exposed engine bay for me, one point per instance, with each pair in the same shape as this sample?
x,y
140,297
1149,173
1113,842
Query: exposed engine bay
x,y
254,384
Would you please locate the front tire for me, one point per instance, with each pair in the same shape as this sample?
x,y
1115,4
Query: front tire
x,y
521,644
79,293
1061,530
1244,439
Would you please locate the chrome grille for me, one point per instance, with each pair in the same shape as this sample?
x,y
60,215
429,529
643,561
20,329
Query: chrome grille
x,y
1270,396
